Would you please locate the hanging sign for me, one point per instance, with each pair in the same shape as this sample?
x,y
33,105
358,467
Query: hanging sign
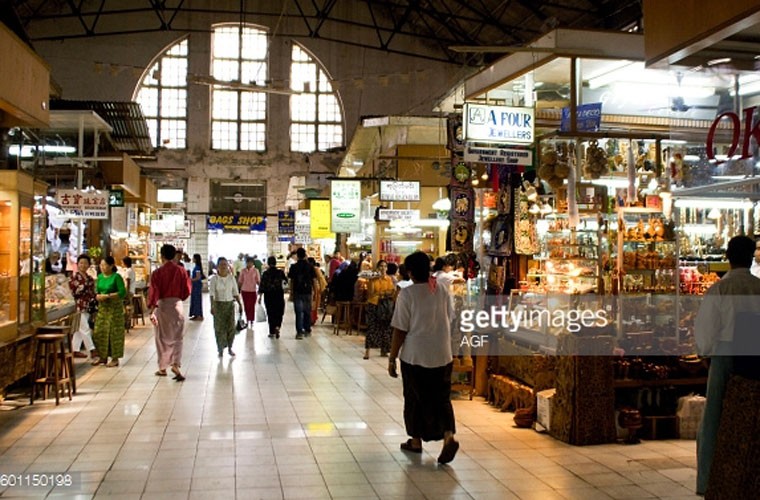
x,y
234,223
502,156
320,219
392,214
286,222
588,117
78,204
501,124
399,190
345,198
302,227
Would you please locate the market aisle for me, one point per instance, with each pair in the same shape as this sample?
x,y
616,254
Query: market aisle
x,y
300,419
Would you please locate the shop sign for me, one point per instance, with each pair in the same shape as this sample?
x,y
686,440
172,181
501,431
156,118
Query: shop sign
x,y
751,130
502,124
116,198
320,219
390,214
286,221
234,223
502,156
588,117
399,190
302,227
345,198
78,204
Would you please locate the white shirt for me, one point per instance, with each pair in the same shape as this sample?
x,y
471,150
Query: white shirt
x,y
738,291
425,316
223,289
755,269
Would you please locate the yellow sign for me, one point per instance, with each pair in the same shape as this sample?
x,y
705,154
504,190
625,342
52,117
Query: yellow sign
x,y
320,219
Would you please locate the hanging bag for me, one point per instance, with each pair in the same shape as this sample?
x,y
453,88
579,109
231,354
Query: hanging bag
x,y
241,323
261,313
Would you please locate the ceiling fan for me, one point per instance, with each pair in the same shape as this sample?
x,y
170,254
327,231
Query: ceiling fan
x,y
236,85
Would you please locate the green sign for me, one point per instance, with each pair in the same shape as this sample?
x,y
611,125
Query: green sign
x,y
116,198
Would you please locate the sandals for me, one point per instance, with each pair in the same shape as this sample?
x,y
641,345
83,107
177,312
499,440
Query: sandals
x,y
408,446
177,374
449,451
161,373
113,363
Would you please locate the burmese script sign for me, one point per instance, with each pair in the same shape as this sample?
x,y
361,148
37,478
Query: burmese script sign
x,y
399,190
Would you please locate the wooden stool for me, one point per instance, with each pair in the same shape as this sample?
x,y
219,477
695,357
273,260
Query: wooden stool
x,y
342,317
50,365
138,311
358,314
68,331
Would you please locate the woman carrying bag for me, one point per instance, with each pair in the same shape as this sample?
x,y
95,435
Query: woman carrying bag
x,y
223,291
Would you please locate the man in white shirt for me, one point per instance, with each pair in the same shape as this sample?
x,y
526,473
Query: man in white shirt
x,y
737,292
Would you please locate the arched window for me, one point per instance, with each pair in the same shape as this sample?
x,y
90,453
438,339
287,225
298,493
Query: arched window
x,y
315,113
162,94
238,116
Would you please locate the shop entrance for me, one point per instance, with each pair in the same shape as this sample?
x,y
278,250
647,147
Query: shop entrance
x,y
230,245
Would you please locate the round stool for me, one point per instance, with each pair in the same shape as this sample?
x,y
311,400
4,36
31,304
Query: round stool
x,y
342,317
50,366
67,331
359,316
138,311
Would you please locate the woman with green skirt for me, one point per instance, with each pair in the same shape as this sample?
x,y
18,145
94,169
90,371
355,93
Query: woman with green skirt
x,y
109,322
223,291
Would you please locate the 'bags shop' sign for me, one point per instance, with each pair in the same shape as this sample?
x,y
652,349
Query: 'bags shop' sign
x,y
750,131
233,223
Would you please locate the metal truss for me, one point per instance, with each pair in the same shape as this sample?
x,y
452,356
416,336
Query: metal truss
x,y
419,28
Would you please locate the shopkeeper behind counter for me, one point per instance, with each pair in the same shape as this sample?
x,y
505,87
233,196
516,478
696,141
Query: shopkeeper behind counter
x,y
54,264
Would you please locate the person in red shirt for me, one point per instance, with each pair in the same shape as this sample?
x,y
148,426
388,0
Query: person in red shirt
x,y
333,265
169,286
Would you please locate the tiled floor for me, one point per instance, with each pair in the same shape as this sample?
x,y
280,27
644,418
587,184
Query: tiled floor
x,y
299,419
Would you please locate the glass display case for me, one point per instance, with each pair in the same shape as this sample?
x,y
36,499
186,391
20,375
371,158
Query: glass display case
x,y
58,298
16,252
39,224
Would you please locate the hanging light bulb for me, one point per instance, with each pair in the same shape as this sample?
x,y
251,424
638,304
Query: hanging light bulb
x,y
485,174
714,214
534,209
442,204
475,181
546,209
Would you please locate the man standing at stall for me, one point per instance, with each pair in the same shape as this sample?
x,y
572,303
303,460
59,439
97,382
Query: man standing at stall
x,y
169,286
737,292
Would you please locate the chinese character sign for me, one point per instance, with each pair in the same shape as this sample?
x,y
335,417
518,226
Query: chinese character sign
x,y
78,204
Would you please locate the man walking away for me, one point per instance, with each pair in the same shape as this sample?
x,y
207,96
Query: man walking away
x,y
301,276
169,286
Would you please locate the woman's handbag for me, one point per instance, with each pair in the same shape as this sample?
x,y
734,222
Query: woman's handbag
x,y
241,323
261,313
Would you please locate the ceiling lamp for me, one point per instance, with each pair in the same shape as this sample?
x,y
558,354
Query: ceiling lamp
x,y
443,204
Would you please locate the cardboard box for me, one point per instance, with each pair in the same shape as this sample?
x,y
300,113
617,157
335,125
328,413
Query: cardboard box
x,y
544,407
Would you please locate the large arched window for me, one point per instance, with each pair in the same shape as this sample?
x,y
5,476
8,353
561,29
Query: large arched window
x,y
238,116
315,113
162,94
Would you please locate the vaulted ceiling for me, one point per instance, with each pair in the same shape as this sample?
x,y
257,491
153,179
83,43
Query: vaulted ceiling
x,y
422,28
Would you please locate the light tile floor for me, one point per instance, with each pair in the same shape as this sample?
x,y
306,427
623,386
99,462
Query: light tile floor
x,y
299,419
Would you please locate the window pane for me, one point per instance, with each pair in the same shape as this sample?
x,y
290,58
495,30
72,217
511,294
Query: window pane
x,y
299,54
224,135
173,71
225,69
324,82
179,49
153,130
149,78
225,105
252,136
303,108
173,133
301,74
254,44
254,72
148,99
226,41
329,111
253,106
302,137
330,136
173,103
